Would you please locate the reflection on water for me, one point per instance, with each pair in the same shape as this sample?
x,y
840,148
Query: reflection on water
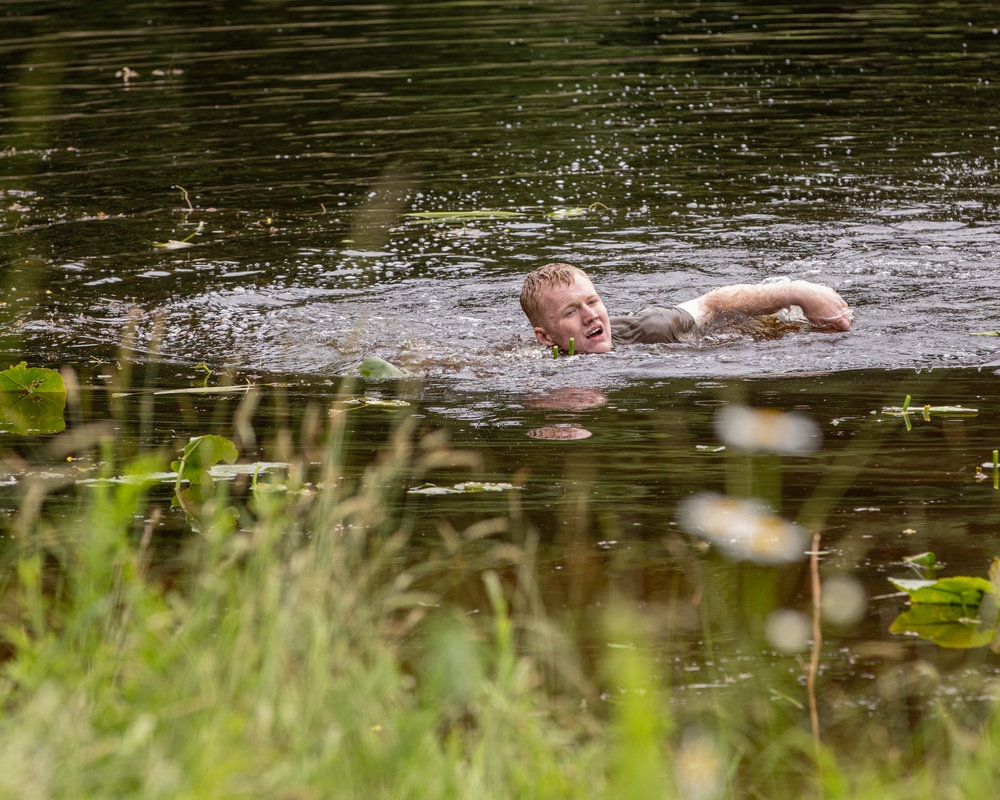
x,y
559,432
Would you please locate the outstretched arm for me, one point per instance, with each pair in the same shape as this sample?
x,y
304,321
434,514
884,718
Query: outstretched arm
x,y
822,306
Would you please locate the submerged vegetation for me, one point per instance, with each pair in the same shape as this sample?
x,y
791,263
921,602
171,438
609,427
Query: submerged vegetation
x,y
299,644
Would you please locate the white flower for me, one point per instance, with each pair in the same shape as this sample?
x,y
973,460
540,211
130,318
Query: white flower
x,y
745,530
767,429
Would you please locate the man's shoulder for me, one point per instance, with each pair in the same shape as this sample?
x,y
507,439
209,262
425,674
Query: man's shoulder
x,y
652,325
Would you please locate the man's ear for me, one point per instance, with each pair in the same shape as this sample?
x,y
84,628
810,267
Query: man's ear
x,y
543,336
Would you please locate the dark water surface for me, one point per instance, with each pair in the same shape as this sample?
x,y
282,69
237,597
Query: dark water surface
x,y
666,149
851,144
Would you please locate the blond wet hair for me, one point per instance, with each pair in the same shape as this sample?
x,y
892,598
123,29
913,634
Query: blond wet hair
x,y
538,281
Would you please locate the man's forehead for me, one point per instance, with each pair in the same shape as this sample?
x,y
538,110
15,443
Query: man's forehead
x,y
580,283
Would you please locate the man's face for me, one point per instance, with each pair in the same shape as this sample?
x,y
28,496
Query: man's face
x,y
575,311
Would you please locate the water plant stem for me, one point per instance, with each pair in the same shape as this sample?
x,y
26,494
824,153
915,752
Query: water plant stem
x,y
817,644
572,345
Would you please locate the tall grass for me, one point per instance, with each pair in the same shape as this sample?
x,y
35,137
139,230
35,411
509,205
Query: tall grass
x,y
314,653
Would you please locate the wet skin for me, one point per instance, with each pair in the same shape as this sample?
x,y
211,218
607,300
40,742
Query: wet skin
x,y
575,311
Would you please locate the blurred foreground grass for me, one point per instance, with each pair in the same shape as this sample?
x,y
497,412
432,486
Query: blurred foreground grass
x,y
312,653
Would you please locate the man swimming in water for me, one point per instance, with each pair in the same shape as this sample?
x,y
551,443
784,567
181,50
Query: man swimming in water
x,y
562,304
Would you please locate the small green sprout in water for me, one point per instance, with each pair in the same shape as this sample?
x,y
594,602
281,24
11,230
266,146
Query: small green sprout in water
x,y
203,367
927,411
572,345
555,351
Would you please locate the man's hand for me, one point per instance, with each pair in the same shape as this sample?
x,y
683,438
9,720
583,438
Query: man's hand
x,y
822,306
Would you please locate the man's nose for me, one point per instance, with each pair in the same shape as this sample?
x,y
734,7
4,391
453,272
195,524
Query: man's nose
x,y
588,314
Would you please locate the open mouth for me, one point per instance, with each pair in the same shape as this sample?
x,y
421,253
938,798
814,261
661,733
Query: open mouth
x,y
598,331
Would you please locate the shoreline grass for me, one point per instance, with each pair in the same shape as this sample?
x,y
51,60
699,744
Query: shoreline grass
x,y
310,655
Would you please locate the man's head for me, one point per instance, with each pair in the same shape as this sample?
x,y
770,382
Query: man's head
x,y
561,303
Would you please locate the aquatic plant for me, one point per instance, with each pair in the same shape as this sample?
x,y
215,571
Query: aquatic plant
x,y
32,400
959,611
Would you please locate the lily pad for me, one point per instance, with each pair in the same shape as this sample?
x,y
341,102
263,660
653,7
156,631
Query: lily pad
x,y
378,402
956,612
32,400
31,380
173,244
201,454
963,591
945,625
469,487
375,368
485,213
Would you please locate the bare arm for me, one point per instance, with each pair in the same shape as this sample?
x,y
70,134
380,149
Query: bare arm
x,y
822,306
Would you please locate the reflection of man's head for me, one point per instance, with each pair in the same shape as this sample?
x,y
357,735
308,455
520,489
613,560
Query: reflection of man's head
x,y
559,432
568,399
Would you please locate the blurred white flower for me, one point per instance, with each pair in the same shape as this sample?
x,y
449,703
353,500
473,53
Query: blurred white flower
x,y
700,767
767,429
788,630
843,601
745,530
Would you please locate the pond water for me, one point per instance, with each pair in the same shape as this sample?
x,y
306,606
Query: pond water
x,y
301,150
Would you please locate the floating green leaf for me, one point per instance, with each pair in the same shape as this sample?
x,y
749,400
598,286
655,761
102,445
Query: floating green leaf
x,y
469,487
945,625
375,368
958,591
194,467
485,213
201,454
179,244
32,400
925,564
173,244
576,211
952,612
31,380
927,559
567,213
378,402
